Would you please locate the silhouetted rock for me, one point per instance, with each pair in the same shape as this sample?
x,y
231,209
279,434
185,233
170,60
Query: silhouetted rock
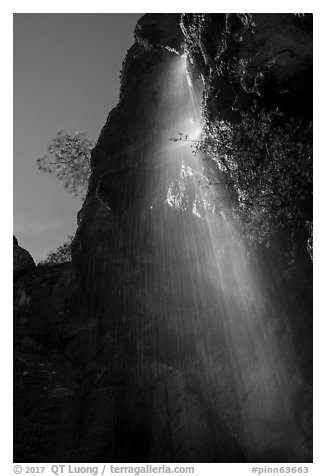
x,y
23,262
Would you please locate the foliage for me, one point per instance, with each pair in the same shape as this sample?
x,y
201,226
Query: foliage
x,y
61,255
265,163
262,159
70,160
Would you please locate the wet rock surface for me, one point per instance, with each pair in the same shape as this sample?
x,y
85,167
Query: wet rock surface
x,y
253,57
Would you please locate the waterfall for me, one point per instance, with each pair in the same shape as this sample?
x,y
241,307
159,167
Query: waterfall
x,y
208,369
222,300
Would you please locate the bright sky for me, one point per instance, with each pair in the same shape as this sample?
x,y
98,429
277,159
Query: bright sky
x,y
66,76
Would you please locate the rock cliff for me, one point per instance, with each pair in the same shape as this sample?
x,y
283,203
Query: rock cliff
x,y
156,344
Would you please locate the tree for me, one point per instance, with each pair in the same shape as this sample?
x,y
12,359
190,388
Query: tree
x,y
68,158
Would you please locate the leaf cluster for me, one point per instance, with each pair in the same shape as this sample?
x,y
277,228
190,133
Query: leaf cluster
x,y
61,255
266,164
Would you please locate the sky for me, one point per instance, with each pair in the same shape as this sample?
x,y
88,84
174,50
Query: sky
x,y
65,76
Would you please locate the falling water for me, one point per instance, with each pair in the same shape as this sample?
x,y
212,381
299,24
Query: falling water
x,y
211,355
223,305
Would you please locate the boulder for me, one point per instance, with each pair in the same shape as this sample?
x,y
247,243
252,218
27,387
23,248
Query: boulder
x,y
23,262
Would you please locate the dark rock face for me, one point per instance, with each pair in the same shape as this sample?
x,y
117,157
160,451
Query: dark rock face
x,y
129,353
258,57
23,262
155,30
44,382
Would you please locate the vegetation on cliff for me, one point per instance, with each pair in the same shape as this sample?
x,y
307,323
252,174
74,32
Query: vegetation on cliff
x,y
257,117
62,254
265,163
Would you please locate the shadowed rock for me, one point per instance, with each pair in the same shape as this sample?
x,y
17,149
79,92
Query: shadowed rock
x,y
23,262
